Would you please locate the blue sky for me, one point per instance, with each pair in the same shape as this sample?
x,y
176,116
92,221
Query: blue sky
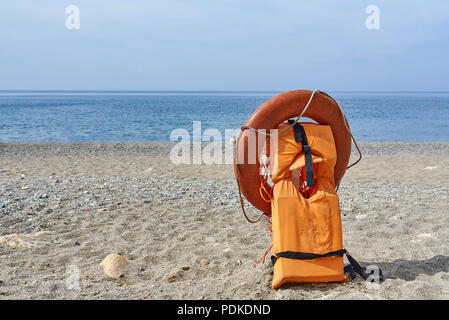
x,y
224,45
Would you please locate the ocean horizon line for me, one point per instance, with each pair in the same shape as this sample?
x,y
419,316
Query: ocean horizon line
x,y
196,92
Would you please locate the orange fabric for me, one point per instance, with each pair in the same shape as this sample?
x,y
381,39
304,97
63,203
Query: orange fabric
x,y
300,224
323,109
298,176
300,161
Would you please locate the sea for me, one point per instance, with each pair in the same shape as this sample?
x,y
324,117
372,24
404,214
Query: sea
x,y
152,116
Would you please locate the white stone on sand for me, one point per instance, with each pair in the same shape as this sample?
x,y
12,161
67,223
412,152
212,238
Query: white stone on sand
x,y
114,264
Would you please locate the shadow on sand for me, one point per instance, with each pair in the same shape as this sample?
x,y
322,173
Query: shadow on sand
x,y
406,270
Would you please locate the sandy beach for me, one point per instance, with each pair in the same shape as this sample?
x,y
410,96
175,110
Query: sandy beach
x,y
65,206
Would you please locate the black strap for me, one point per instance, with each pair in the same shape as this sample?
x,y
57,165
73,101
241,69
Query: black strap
x,y
349,269
300,136
353,268
298,132
305,255
356,267
309,256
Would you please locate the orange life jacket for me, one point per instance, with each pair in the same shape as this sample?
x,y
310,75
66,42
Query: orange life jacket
x,y
307,164
306,224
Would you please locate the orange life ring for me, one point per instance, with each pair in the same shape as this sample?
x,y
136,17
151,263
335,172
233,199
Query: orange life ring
x,y
323,109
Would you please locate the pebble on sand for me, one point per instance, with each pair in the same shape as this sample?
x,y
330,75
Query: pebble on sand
x,y
185,268
210,240
121,284
204,262
149,170
425,236
171,278
22,240
114,264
